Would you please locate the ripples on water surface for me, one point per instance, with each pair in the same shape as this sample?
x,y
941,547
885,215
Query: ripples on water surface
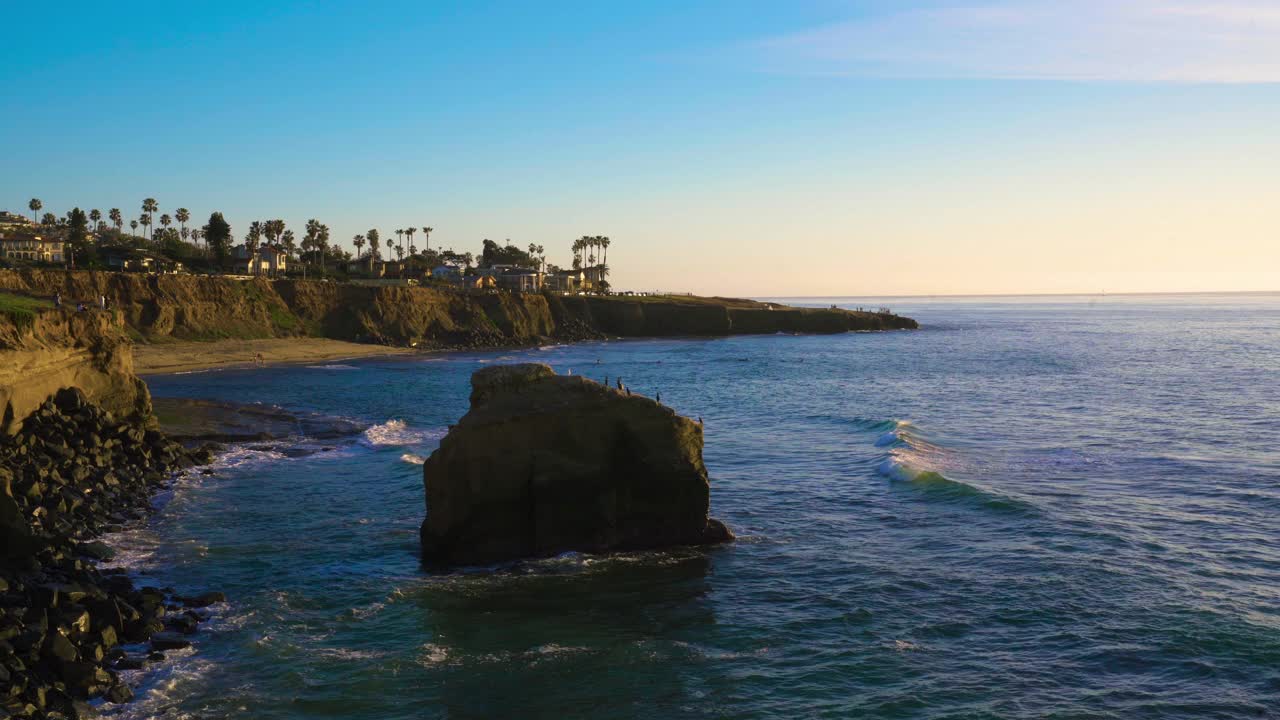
x,y
1031,508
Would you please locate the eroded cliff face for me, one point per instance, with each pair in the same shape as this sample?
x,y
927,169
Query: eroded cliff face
x,y
66,349
204,308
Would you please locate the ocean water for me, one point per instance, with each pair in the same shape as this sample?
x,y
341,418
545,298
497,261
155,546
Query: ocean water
x,y
1030,508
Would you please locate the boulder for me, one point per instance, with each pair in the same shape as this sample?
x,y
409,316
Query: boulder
x,y
544,463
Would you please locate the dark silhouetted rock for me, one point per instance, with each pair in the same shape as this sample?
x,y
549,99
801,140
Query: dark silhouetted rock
x,y
544,464
169,641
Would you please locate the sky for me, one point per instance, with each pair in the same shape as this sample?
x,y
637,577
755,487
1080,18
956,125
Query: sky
x,y
734,147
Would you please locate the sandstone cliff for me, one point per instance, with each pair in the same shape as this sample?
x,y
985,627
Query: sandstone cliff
x,y
203,308
543,464
65,349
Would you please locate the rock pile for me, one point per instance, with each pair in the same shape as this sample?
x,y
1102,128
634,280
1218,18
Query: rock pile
x,y
543,464
73,472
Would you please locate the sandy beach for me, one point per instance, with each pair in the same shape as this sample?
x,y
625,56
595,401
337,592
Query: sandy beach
x,y
179,356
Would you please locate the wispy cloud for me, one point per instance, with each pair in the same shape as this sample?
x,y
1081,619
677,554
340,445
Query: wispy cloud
x,y
1175,41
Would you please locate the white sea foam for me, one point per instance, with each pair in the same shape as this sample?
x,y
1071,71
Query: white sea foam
x,y
433,654
239,456
398,432
895,435
413,459
896,469
332,367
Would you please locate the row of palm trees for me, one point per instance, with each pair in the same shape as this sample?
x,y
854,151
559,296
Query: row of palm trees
x,y
116,219
373,238
588,250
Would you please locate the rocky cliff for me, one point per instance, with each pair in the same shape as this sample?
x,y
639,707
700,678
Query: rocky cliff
x,y
59,349
543,464
203,308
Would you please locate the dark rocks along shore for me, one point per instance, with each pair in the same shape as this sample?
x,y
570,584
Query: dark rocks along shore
x,y
67,626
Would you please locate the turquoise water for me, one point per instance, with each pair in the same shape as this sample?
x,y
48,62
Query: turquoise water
x,y
1035,507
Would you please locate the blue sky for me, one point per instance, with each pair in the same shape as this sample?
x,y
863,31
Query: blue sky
x,y
757,148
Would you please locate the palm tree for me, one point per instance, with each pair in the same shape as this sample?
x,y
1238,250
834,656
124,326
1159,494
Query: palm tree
x,y
311,236
426,238
605,242
182,215
289,245
358,241
372,237
322,243
145,221
149,206
95,216
408,232
117,218
133,225
165,221
35,205
400,234
252,240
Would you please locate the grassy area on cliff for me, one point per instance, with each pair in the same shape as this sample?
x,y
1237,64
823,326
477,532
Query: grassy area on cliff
x,y
20,309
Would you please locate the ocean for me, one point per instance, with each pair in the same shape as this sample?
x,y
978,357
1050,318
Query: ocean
x,y
1041,507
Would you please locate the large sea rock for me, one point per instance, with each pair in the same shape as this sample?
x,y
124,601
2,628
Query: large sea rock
x,y
544,463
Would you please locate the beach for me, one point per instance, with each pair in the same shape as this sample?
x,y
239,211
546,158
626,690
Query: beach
x,y
190,356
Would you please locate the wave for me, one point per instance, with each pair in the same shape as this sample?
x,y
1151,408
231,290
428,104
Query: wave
x,y
919,464
413,459
398,432
894,436
935,485
332,367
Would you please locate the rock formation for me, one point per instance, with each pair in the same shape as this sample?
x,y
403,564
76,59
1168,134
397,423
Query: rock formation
x,y
63,348
543,464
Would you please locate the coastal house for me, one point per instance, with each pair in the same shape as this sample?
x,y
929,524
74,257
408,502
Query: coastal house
x,y
126,259
269,260
10,222
592,277
521,280
477,282
514,277
32,248
448,272
567,281
402,269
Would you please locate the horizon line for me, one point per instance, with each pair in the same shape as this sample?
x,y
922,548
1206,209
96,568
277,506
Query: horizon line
x,y
1027,294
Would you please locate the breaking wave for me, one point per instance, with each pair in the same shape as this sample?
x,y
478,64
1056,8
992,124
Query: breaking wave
x,y
919,464
398,432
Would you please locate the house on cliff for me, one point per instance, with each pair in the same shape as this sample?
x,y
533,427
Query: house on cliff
x,y
268,260
514,277
567,281
10,222
447,272
31,248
